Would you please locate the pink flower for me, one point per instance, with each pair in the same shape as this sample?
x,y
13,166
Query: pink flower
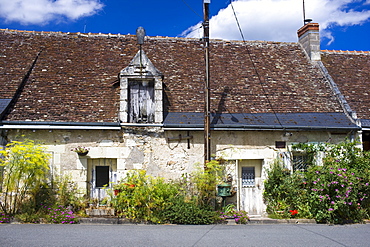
x,y
330,209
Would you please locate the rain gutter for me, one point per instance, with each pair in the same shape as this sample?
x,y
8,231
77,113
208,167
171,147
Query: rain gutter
x,y
59,125
140,125
264,127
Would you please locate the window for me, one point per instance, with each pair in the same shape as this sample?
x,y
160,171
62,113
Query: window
x,y
280,144
102,176
141,98
248,176
366,140
300,162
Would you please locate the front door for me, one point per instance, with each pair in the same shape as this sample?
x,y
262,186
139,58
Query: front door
x,y
102,172
250,186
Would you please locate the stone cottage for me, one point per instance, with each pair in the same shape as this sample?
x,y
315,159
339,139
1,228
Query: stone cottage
x,y
142,106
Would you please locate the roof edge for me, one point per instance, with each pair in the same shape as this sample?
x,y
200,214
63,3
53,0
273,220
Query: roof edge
x,y
59,125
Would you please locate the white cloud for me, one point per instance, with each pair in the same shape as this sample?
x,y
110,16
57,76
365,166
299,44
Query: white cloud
x,y
279,20
44,11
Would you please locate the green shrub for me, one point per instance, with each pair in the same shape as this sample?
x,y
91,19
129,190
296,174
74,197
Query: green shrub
x,y
285,192
142,197
180,211
25,167
205,181
336,192
340,189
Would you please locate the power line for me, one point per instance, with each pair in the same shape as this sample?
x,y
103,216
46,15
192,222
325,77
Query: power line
x,y
254,65
237,21
191,8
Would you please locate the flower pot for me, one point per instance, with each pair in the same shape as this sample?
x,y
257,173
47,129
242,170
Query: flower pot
x,y
83,154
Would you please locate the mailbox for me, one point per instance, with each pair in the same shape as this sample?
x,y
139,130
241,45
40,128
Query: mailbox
x,y
224,189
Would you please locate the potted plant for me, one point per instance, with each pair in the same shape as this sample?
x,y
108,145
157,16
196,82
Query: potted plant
x,y
82,151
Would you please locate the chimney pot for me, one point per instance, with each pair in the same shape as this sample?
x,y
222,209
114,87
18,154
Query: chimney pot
x,y
309,37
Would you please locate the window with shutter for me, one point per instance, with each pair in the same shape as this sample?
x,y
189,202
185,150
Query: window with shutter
x,y
141,102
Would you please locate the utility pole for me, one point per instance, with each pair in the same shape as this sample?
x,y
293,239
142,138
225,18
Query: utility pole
x,y
207,108
304,14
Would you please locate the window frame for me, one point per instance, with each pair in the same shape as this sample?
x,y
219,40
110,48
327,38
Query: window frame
x,y
137,105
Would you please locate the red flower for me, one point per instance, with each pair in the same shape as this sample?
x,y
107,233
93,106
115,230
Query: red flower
x,y
129,185
293,212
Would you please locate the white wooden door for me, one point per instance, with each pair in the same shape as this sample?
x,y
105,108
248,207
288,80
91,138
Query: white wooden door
x,y
250,191
102,173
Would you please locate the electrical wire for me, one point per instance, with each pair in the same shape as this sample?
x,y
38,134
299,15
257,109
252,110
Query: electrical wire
x,y
254,66
191,8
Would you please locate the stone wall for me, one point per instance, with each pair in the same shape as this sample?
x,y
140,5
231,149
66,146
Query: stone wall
x,y
163,153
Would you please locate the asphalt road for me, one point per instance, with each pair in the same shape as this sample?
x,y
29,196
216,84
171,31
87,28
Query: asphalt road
x,y
180,235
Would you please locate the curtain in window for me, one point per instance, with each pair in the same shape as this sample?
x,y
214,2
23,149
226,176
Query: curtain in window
x,y
286,158
141,102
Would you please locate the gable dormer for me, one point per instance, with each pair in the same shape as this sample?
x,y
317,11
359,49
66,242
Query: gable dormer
x,y
141,99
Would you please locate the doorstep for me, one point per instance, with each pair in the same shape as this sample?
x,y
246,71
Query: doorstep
x,y
105,220
264,220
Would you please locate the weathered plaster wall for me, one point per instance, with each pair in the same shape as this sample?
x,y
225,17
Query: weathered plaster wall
x,y
158,151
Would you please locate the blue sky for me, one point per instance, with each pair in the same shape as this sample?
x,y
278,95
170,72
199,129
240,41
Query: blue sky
x,y
344,24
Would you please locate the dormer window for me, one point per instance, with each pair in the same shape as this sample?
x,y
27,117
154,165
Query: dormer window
x,y
141,101
141,96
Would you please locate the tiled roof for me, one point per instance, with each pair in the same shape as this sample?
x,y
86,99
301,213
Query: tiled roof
x,y
351,72
75,77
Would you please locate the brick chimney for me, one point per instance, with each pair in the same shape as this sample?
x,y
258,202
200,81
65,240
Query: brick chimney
x,y
309,37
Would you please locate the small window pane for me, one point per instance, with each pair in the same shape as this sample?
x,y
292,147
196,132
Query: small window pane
x,y
248,176
280,144
102,176
300,162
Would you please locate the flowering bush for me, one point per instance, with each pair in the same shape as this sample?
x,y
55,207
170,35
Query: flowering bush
x,y
143,198
25,165
336,192
338,195
285,192
240,217
80,149
60,215
4,218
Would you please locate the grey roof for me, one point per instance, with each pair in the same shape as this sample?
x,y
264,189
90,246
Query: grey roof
x,y
365,123
3,105
309,121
